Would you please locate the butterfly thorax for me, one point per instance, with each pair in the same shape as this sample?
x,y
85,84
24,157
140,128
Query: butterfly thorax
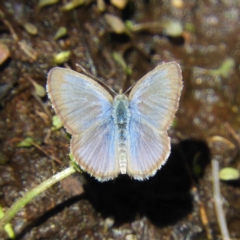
x,y
121,116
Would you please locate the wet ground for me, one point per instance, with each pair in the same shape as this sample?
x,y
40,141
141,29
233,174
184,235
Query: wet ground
x,y
178,202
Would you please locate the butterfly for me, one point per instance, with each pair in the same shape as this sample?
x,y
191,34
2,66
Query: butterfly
x,y
120,134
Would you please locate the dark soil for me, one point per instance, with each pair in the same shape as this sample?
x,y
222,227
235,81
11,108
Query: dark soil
x,y
170,205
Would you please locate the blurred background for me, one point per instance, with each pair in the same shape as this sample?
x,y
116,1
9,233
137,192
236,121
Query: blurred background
x,y
119,41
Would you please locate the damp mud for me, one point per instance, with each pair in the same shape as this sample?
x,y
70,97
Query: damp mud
x,y
120,44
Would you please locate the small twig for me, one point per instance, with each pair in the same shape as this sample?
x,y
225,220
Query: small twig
x,y
44,107
38,147
9,26
217,200
19,204
158,26
204,218
221,139
111,63
232,132
42,150
29,51
202,212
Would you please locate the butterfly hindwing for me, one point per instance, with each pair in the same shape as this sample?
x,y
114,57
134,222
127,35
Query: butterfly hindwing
x,y
95,151
148,150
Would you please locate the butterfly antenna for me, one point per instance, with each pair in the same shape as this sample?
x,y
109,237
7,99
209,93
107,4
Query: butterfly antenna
x,y
128,89
95,78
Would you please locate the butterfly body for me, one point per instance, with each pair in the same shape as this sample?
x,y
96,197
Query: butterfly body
x,y
124,134
121,116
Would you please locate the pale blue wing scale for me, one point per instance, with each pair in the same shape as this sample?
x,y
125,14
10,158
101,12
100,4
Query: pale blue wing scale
x,y
155,97
85,109
153,103
78,100
95,152
148,150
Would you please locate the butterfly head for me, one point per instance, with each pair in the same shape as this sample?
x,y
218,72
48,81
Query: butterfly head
x,y
120,98
120,109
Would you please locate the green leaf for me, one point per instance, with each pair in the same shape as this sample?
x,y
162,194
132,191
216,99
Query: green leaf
x,y
61,32
30,28
56,123
116,23
229,174
172,28
120,60
74,163
73,4
71,156
39,90
43,3
189,27
62,57
27,142
225,68
8,227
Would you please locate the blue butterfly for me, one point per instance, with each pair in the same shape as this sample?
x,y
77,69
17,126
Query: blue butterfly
x,y
121,134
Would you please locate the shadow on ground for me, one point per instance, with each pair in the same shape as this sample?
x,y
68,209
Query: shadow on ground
x,y
164,199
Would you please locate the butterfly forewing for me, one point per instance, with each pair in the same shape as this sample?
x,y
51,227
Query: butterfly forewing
x,y
153,103
77,99
85,109
154,99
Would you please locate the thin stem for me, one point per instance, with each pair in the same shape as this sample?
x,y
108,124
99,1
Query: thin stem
x,y
19,204
217,200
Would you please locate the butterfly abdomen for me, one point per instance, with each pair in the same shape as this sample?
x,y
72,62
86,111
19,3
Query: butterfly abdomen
x,y
121,117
